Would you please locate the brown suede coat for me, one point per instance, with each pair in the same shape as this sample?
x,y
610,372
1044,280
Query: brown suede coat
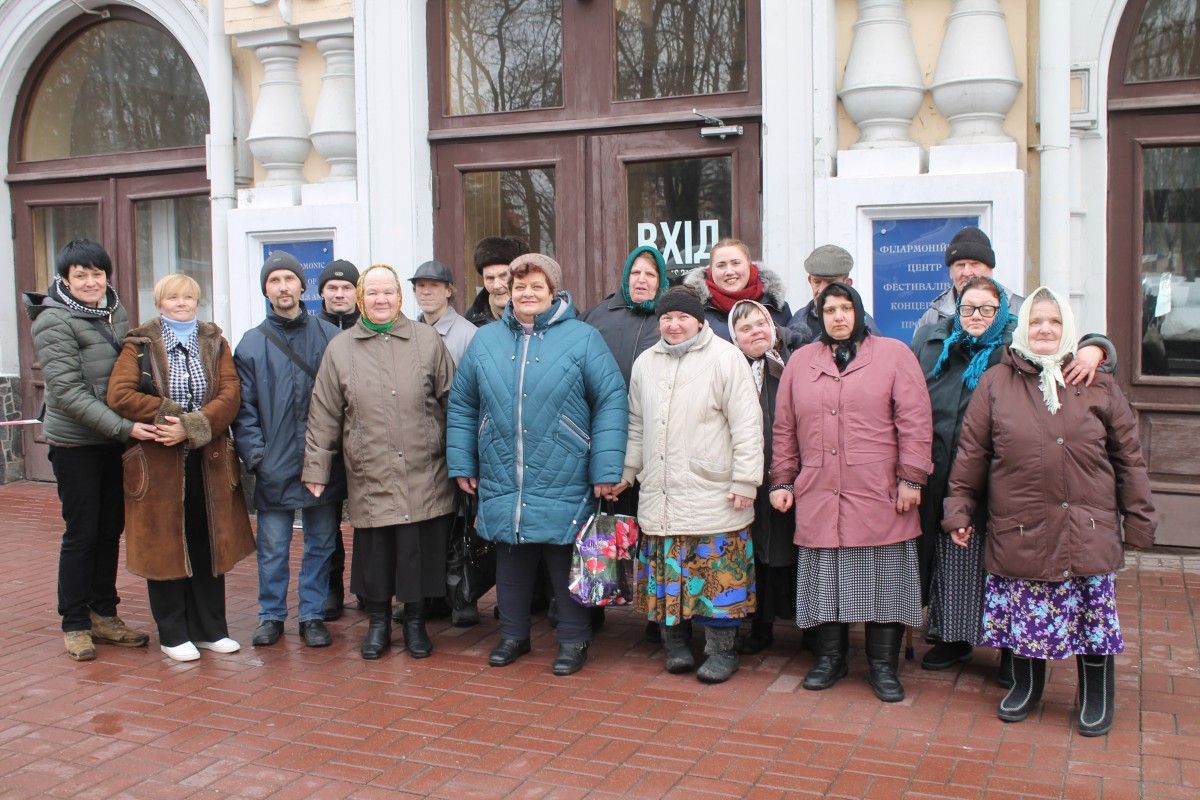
x,y
154,535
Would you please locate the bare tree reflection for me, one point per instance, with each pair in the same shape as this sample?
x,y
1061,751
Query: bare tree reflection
x,y
1166,45
671,48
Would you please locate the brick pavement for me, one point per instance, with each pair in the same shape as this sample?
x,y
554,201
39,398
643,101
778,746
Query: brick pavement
x,y
284,721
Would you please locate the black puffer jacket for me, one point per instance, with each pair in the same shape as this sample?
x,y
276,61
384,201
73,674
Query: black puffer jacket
x,y
627,332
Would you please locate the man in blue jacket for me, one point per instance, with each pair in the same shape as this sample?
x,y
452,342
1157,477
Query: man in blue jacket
x,y
277,364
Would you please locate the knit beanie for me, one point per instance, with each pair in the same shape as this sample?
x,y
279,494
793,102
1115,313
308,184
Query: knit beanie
x,y
829,261
276,260
498,250
680,298
339,270
972,244
550,267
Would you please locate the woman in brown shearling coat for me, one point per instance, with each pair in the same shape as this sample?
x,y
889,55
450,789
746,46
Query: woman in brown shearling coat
x,y
185,517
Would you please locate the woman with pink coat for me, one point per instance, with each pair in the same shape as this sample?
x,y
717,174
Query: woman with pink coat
x,y
851,441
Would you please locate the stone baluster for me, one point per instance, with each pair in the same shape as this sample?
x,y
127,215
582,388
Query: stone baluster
x,y
333,126
975,82
279,127
882,88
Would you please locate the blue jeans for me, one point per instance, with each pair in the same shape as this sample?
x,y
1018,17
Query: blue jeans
x,y
320,525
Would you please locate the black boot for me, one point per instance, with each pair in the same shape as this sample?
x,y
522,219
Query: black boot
x,y
379,631
571,658
334,599
720,645
945,655
883,660
679,653
1005,676
416,640
831,642
1097,694
762,636
1029,679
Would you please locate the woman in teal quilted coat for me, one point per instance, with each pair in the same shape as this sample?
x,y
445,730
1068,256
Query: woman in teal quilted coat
x,y
536,427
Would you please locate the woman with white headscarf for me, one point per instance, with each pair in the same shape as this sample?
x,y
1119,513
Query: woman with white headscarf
x,y
1063,471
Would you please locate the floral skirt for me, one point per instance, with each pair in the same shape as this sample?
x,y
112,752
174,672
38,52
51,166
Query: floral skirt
x,y
1040,619
680,577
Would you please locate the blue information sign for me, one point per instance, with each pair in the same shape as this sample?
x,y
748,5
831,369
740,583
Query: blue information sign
x,y
313,256
910,268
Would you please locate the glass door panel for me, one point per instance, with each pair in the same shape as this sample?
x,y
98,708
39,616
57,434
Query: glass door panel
x,y
54,226
511,202
173,234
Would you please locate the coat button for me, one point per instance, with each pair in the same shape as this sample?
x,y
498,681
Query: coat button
x,y
836,379
1059,440
833,411
835,491
393,392
1065,504
833,451
1066,573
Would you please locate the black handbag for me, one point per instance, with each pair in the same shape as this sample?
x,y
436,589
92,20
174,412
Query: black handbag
x,y
470,561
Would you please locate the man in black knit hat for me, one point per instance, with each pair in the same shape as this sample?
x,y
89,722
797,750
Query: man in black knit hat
x,y
338,287
968,255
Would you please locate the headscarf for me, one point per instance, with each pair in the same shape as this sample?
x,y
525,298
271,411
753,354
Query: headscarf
x,y
363,319
843,351
723,301
660,263
978,347
59,291
758,365
1050,366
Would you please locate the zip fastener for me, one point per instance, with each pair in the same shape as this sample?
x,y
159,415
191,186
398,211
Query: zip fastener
x,y
1093,523
577,431
520,439
483,423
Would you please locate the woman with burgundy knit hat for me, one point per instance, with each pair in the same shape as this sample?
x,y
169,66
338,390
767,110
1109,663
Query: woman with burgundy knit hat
x,y
731,276
854,411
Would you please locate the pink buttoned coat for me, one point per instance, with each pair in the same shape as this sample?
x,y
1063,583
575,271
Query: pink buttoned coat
x,y
845,439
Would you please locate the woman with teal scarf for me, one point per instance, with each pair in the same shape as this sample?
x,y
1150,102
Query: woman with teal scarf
x,y
954,353
626,318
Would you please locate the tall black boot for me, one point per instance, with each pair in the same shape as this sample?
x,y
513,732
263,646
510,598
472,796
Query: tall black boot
x,y
1005,676
883,660
336,596
1097,694
831,642
416,640
1029,679
379,630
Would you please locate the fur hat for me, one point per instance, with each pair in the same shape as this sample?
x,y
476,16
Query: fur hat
x,y
498,250
338,270
277,260
551,268
680,298
829,261
973,244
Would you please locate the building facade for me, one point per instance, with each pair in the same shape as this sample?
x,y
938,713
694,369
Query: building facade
x,y
196,136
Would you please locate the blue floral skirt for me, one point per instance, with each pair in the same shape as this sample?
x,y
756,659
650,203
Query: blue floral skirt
x,y
1040,619
680,577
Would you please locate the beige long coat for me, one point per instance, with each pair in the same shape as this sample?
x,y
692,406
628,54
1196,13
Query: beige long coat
x,y
380,399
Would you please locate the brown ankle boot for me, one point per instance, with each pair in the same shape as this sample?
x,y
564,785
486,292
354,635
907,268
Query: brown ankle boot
x,y
111,630
79,645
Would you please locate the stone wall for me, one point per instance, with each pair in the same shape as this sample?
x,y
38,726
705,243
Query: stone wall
x,y
12,459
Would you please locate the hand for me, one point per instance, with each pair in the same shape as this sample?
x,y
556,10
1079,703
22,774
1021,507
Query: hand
x,y
617,488
143,432
1083,367
782,500
907,498
962,536
603,490
740,502
468,485
314,488
172,433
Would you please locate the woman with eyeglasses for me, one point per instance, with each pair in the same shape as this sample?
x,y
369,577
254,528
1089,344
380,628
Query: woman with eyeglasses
x,y
954,353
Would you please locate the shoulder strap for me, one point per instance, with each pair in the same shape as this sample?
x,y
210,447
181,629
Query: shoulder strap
x,y
285,348
107,334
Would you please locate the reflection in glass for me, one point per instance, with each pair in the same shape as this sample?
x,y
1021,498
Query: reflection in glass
x,y
1165,47
1170,266
512,202
681,206
503,55
173,235
118,86
53,227
671,48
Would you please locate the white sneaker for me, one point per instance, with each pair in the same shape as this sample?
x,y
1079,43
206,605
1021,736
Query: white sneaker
x,y
181,652
225,645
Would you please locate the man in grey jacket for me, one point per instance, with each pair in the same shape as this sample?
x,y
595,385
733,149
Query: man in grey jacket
x,y
277,363
969,254
433,286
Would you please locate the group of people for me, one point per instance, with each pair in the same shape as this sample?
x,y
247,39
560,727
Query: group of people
x,y
779,465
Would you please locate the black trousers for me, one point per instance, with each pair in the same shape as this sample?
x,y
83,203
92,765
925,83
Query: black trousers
x,y
404,561
337,561
93,508
191,609
516,574
775,589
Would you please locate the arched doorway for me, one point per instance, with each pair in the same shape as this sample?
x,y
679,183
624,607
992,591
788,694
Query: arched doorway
x,y
108,143
1154,245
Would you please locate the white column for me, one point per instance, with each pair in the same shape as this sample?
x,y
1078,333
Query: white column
x,y
333,124
221,161
1054,124
975,81
279,128
882,88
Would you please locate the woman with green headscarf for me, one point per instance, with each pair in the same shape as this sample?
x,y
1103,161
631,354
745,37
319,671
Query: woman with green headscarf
x,y
626,318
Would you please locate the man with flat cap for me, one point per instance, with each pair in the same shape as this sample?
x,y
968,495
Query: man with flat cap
x,y
825,265
433,286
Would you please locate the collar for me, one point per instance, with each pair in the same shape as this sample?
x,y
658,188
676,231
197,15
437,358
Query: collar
x,y
401,329
821,361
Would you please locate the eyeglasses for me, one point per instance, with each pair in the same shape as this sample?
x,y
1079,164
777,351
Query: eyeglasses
x,y
987,312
